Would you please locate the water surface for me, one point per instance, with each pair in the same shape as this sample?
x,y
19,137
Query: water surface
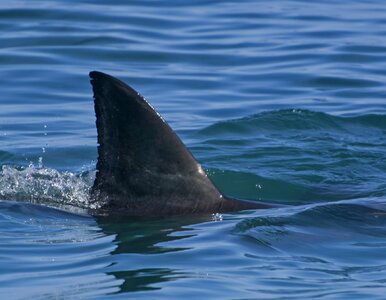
x,y
280,101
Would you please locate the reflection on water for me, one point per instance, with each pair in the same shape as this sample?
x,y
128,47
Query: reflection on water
x,y
300,249
146,237
136,235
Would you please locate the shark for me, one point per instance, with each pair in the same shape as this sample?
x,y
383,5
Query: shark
x,y
143,167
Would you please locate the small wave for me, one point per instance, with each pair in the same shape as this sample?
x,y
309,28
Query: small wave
x,y
294,119
297,155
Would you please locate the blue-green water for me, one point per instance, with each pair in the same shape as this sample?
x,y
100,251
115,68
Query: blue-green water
x,y
281,101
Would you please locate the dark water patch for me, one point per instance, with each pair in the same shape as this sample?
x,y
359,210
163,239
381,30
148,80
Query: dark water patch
x,y
299,155
336,82
5,156
352,54
250,186
328,34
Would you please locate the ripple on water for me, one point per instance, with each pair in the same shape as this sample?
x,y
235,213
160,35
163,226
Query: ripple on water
x,y
281,101
41,246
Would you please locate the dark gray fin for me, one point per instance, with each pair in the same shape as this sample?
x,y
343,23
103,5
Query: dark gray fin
x,y
143,167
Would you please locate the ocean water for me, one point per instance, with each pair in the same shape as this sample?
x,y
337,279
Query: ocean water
x,y
281,101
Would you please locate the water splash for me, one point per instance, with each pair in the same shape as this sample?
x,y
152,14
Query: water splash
x,y
39,184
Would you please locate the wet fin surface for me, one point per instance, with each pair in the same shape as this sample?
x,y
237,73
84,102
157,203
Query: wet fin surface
x,y
143,167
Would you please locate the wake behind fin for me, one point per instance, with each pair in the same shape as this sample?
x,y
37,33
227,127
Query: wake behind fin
x,y
143,168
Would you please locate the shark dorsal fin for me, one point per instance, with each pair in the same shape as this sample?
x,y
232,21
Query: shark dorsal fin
x,y
142,163
143,168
